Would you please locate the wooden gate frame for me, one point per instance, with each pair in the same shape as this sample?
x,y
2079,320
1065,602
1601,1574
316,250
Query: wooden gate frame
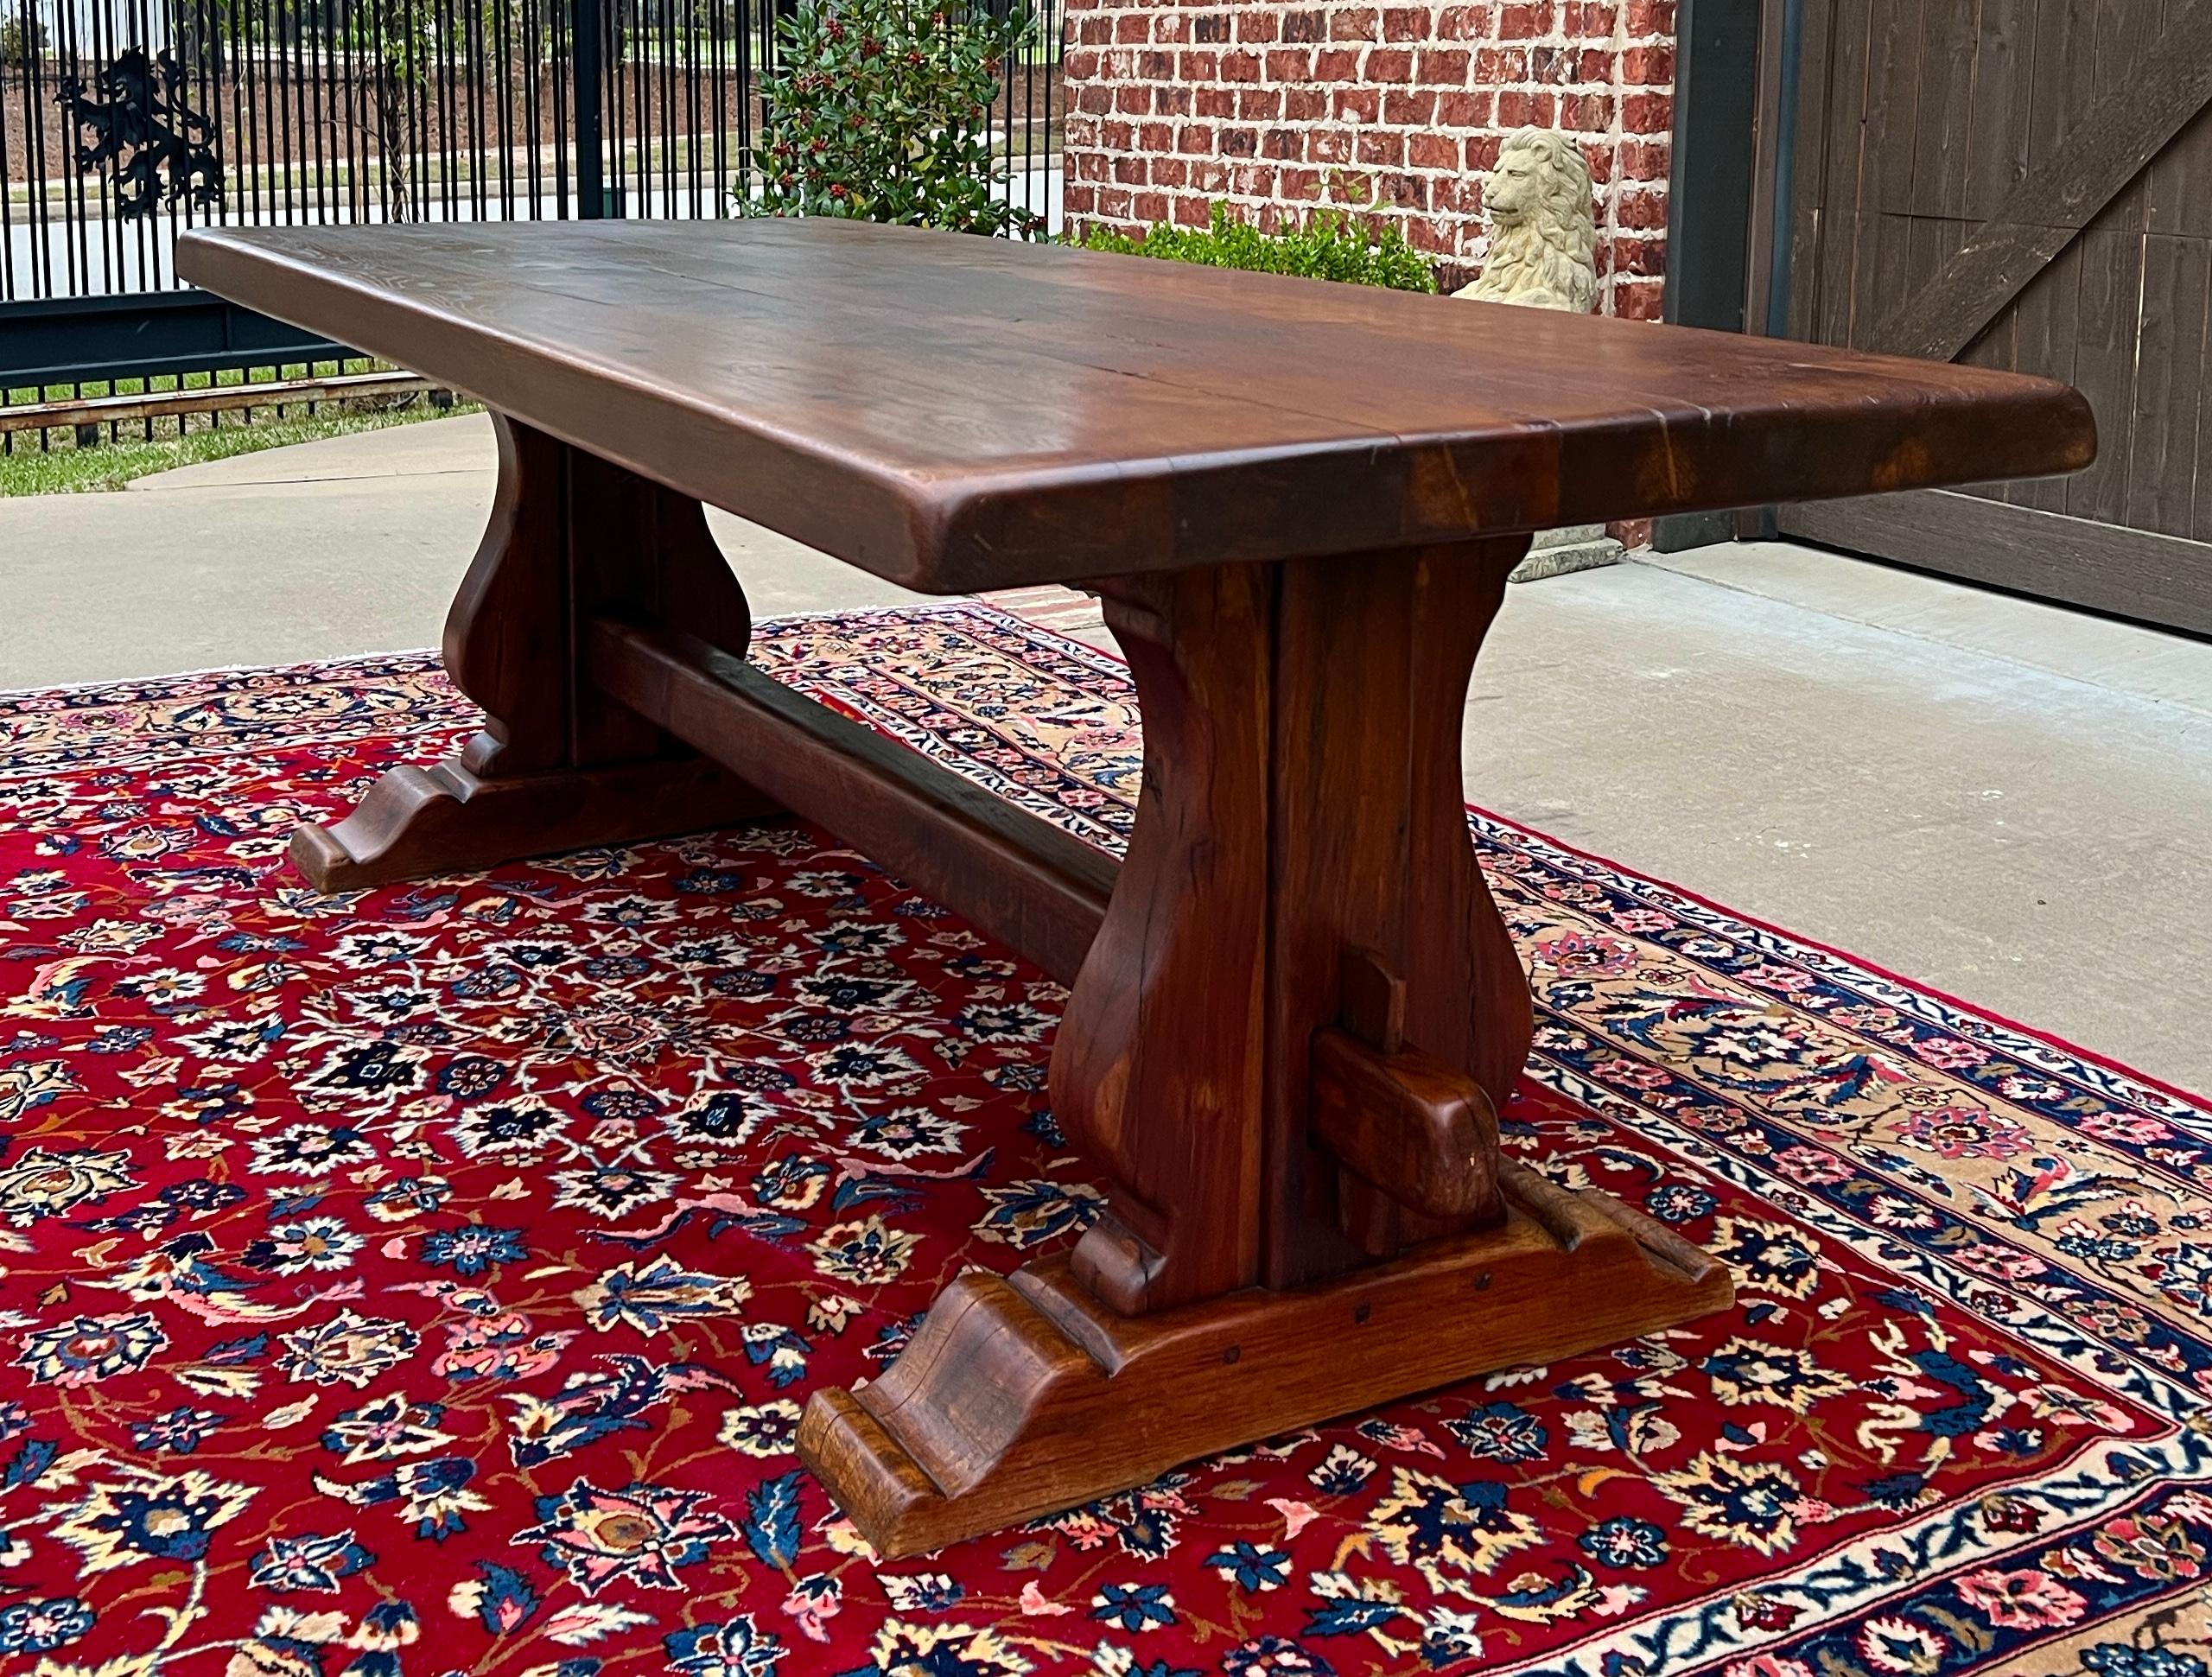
x,y
1712,188
2053,555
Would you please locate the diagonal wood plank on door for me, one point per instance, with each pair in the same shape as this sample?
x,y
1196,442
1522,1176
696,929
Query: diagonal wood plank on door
x,y
2169,83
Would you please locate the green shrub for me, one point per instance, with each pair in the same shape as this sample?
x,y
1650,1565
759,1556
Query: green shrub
x,y
1329,246
882,114
22,40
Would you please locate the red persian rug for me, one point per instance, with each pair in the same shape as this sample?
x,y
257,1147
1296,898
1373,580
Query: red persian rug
x,y
429,1280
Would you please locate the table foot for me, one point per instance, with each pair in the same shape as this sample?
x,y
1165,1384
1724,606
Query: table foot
x,y
448,819
558,765
1021,1396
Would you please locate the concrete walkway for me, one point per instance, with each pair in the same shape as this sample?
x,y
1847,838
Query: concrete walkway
x,y
2007,801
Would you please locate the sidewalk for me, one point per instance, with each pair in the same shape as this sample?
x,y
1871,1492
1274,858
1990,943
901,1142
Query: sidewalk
x,y
2002,799
350,544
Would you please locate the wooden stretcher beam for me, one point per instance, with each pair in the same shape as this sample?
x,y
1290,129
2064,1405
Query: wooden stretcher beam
x,y
1037,889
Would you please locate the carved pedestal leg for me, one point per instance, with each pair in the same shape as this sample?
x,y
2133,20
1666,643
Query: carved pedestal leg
x,y
1286,1048
1376,880
555,767
1301,816
1158,1069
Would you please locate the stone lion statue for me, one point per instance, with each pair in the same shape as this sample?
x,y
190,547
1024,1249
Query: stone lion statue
x,y
1543,237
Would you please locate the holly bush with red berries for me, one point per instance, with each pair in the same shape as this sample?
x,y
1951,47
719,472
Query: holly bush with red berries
x,y
880,111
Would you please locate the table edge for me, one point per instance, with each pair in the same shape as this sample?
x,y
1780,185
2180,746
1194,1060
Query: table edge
x,y
954,535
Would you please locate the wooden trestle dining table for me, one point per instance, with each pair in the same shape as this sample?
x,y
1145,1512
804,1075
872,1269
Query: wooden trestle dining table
x,y
1294,1013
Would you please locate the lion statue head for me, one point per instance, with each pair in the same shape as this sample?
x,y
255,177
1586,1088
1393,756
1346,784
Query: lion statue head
x,y
1543,236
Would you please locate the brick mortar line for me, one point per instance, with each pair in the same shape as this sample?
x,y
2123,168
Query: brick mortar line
x,y
1601,70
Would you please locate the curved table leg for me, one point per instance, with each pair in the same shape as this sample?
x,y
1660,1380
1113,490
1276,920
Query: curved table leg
x,y
556,767
1158,1071
1286,1047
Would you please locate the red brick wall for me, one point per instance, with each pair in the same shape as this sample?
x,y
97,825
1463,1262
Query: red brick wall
x,y
1269,105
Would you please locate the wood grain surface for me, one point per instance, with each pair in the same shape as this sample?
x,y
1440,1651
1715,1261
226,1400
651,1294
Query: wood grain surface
x,y
2026,184
956,413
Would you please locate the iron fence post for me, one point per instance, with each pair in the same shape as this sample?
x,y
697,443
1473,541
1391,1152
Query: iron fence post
x,y
591,180
255,113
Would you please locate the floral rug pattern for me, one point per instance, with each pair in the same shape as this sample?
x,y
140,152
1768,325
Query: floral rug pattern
x,y
429,1280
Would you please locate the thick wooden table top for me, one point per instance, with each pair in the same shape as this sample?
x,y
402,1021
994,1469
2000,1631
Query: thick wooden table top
x,y
957,413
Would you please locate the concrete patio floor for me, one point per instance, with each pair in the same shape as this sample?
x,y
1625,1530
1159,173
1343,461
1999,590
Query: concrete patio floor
x,y
2005,800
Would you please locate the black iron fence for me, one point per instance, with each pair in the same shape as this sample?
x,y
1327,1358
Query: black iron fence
x,y
123,122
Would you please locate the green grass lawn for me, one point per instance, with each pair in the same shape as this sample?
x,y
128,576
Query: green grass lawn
x,y
64,468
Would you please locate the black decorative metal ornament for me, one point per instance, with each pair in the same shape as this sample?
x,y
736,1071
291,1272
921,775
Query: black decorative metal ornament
x,y
136,129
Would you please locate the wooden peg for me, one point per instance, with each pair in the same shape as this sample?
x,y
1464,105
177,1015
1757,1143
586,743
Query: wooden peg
x,y
1410,1125
1374,1002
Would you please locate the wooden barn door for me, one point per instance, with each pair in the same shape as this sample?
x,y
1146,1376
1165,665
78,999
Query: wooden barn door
x,y
2024,184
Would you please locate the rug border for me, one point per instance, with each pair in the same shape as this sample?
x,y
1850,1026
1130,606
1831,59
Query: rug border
x,y
2047,1037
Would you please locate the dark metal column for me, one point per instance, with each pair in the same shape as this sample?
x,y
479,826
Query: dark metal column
x,y
591,178
1709,194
